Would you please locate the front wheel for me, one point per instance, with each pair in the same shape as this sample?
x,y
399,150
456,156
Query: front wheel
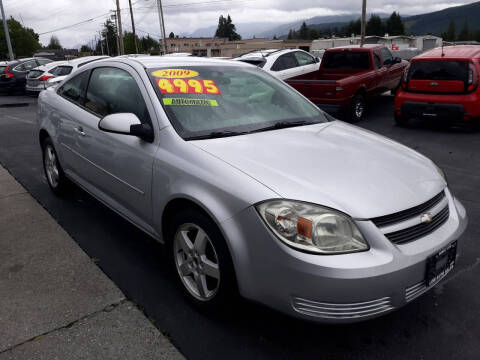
x,y
56,178
358,108
202,261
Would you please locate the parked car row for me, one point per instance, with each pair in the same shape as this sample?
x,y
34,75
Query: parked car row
x,y
33,75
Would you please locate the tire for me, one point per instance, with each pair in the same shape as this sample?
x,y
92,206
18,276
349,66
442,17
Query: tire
x,y
358,108
203,266
56,179
400,120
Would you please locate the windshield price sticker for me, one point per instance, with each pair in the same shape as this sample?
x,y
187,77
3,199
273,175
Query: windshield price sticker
x,y
190,102
175,73
190,86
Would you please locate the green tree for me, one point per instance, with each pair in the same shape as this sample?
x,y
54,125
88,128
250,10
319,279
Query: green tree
x,y
375,26
171,35
353,27
464,35
313,34
24,40
85,48
109,34
54,43
303,31
129,43
451,32
149,44
394,24
226,29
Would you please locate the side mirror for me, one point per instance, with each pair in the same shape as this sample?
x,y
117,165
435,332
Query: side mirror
x,y
397,60
317,59
388,62
126,124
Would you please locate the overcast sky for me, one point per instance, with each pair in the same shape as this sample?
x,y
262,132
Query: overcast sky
x,y
185,16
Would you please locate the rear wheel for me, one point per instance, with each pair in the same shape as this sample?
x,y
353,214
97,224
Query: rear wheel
x,y
201,260
358,108
56,178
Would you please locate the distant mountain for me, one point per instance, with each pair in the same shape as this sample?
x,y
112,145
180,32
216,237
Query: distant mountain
x,y
438,21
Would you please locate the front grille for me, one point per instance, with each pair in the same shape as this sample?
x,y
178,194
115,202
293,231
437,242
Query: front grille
x,y
415,291
415,232
409,213
342,311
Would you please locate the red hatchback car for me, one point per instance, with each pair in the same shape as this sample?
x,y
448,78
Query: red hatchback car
x,y
441,84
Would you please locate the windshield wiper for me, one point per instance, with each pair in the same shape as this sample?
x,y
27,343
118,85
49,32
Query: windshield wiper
x,y
217,134
284,125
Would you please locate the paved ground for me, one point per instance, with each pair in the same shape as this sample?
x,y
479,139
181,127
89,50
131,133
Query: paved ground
x,y
443,324
55,303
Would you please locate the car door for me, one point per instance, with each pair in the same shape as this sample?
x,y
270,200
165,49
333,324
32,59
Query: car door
x,y
285,66
118,168
390,78
307,65
378,85
22,71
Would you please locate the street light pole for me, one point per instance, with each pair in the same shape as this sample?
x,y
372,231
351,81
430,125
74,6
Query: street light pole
x,y
7,34
364,25
120,32
162,25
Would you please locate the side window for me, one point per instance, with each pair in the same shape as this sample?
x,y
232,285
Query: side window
x,y
20,67
387,56
113,90
74,89
29,65
44,61
304,59
285,62
378,59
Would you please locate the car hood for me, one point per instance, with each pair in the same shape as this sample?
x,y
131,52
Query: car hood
x,y
333,164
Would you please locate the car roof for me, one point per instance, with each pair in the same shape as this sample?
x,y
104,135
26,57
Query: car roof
x,y
265,53
452,52
358,47
176,61
51,65
81,60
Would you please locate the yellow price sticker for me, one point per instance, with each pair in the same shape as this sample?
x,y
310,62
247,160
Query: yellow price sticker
x,y
175,73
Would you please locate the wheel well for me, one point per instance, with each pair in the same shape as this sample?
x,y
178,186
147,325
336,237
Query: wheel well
x,y
362,92
43,135
173,207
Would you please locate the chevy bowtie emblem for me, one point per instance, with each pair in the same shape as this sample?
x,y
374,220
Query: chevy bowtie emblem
x,y
426,218
434,83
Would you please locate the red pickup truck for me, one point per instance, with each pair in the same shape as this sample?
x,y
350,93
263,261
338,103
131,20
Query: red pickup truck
x,y
349,76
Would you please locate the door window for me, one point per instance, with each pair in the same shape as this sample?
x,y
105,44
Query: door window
x,y
61,70
284,62
74,89
387,56
304,59
29,65
113,90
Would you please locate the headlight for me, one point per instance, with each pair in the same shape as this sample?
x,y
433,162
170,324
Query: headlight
x,y
312,228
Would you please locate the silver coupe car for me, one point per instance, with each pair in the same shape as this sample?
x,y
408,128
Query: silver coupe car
x,y
252,188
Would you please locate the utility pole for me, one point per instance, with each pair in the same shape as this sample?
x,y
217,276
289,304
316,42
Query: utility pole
x,y
7,34
101,41
162,25
114,16
120,32
133,27
364,22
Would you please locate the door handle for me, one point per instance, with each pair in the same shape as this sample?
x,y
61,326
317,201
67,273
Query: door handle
x,y
79,130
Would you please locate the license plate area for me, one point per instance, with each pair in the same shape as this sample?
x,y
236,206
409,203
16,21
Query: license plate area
x,y
440,264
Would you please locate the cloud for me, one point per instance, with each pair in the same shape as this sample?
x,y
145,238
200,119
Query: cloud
x,y
182,16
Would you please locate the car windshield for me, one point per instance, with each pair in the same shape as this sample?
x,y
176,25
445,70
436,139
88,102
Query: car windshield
x,y
214,101
346,60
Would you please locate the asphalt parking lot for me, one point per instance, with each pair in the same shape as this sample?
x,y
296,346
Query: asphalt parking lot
x,y
443,324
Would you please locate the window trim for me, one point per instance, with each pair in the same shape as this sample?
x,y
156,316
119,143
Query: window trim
x,y
83,91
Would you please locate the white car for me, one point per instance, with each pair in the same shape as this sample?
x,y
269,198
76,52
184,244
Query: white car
x,y
283,64
37,78
69,67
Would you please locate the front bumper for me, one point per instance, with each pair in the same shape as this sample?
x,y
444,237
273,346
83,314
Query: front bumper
x,y
334,288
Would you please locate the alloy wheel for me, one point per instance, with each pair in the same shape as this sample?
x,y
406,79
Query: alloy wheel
x,y
51,167
196,261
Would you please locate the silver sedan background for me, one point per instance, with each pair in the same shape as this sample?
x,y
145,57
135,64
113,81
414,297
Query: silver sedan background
x,y
253,189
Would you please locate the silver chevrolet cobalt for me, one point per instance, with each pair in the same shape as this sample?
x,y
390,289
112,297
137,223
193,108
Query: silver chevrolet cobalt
x,y
252,188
